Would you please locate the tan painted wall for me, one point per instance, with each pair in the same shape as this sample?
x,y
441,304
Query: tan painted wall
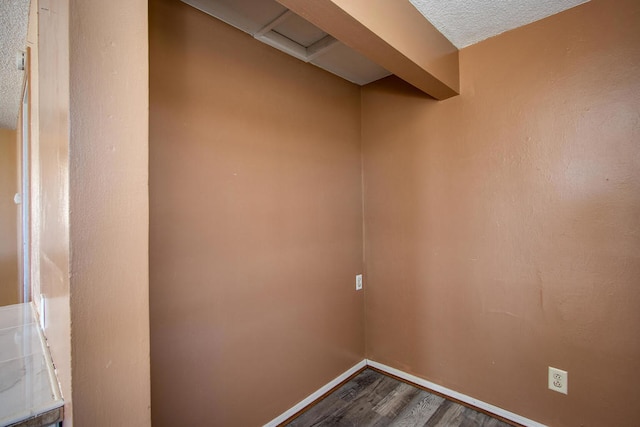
x,y
52,217
256,224
92,172
8,218
109,212
503,226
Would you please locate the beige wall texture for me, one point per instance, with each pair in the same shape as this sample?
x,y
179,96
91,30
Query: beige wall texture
x,y
9,285
109,212
256,224
52,218
503,225
91,212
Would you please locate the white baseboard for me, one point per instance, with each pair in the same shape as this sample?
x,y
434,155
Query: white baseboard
x,y
316,394
455,395
407,377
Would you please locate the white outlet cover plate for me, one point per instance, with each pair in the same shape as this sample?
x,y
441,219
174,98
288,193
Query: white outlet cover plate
x,y
558,380
358,282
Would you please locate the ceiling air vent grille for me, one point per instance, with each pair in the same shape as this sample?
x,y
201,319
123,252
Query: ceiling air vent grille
x,y
275,25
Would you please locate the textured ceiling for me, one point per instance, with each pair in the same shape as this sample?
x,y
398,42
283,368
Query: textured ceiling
x,y
14,18
465,22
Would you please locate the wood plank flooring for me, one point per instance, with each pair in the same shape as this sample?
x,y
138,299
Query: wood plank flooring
x,y
374,399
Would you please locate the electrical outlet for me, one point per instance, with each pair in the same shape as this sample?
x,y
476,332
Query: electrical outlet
x,y
558,380
358,282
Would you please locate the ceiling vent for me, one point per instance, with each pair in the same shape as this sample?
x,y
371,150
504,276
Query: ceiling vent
x,y
275,25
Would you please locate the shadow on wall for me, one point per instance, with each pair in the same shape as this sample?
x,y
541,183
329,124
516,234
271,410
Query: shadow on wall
x,y
9,283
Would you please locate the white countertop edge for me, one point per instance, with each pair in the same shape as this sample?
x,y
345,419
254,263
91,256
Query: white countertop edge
x,y
53,378
25,415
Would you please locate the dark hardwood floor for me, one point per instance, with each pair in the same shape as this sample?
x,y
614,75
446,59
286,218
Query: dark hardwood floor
x,y
374,399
